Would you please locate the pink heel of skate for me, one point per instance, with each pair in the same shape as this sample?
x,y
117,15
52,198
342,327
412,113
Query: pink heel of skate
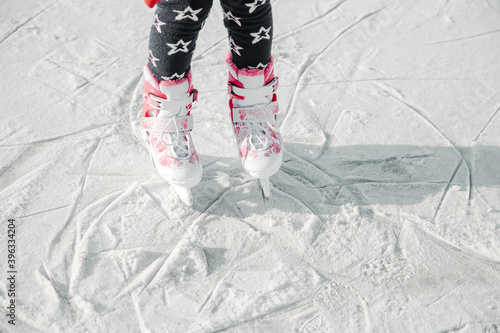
x,y
253,113
166,125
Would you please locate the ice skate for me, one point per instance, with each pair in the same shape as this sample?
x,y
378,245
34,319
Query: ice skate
x,y
166,125
253,112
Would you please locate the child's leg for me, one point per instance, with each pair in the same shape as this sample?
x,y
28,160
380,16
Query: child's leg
x,y
169,94
250,27
173,36
252,87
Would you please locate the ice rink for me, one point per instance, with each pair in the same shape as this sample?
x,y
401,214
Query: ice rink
x,y
384,217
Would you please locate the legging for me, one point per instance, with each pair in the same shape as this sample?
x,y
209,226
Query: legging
x,y
177,23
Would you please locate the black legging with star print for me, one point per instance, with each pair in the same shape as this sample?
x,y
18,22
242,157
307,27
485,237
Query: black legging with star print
x,y
177,23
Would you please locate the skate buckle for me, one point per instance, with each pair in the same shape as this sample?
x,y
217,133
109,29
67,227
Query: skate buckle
x,y
240,93
194,93
231,92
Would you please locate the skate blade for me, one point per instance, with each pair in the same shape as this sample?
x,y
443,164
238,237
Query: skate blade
x,y
266,188
184,194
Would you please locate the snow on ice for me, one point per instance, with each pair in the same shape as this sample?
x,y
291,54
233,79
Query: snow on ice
x,y
383,218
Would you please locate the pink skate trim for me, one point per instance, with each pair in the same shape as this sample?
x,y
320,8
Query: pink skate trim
x,y
253,114
267,72
150,89
159,125
171,82
146,68
188,78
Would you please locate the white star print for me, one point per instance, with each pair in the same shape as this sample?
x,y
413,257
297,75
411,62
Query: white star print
x,y
259,66
157,23
187,13
152,58
175,76
230,17
180,46
255,4
262,34
234,47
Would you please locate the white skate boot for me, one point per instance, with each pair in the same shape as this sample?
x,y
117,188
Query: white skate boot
x,y
166,125
253,112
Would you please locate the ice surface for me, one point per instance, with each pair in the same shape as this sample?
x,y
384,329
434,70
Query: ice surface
x,y
383,218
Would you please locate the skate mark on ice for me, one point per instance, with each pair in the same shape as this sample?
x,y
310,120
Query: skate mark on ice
x,y
103,44
76,201
29,324
221,196
19,154
59,235
456,148
300,178
86,81
446,190
391,170
63,97
390,79
44,168
61,293
366,312
465,252
484,128
40,141
27,21
309,174
385,160
328,138
79,240
92,157
308,64
145,278
303,204
361,181
272,314
318,231
229,269
128,249
45,272
334,177
237,323
221,276
96,76
446,294
44,211
154,200
140,317
310,22
465,38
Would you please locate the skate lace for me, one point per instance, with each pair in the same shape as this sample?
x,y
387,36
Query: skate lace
x,y
180,147
259,137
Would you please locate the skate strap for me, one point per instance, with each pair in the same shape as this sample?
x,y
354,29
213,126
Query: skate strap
x,y
255,114
168,125
169,105
266,90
